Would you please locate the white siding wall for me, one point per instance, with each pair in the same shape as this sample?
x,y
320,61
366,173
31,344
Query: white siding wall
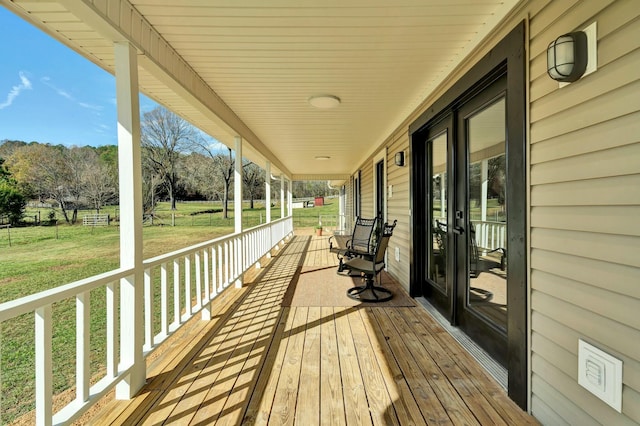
x,y
585,212
584,206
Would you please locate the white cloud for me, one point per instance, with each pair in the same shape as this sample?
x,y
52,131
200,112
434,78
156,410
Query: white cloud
x,y
63,93
67,95
89,106
15,90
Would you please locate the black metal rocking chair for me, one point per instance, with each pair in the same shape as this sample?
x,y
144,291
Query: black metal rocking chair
x,y
370,269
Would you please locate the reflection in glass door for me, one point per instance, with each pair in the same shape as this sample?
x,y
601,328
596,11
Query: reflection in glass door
x,y
486,287
437,264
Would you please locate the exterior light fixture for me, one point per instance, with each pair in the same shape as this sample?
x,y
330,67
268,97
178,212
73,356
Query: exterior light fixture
x,y
399,159
567,57
324,101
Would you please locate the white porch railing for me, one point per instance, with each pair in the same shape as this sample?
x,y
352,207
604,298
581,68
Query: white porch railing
x,y
196,274
490,235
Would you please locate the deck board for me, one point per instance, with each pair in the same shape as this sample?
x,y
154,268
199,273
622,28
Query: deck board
x,y
307,413
331,397
261,363
404,403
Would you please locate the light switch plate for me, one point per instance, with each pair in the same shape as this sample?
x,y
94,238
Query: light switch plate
x,y
601,374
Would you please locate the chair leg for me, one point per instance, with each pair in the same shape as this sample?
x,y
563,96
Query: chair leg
x,y
370,292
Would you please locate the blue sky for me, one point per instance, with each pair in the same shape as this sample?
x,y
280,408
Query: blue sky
x,y
49,93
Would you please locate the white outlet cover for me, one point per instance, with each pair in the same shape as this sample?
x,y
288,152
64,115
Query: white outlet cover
x,y
601,374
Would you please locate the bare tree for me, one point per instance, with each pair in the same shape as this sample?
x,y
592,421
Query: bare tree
x,y
98,181
199,176
165,137
253,179
223,166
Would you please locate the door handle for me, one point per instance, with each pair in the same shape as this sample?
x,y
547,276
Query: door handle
x,y
458,230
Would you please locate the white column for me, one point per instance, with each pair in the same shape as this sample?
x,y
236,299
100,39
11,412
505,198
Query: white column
x,y
282,196
289,197
443,196
130,173
267,203
237,204
342,208
484,178
267,191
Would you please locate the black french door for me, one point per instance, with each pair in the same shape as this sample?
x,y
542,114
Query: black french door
x,y
480,220
465,217
468,208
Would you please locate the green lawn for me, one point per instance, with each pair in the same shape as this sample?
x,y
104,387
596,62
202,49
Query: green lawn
x,y
43,257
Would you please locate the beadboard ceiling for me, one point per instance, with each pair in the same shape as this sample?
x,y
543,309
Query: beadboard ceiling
x,y
264,59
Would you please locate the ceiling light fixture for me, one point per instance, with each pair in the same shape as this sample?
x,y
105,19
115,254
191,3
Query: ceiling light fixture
x,y
322,157
324,101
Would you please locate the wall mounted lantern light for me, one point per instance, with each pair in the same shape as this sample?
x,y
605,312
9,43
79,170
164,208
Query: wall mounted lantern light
x,y
567,57
399,158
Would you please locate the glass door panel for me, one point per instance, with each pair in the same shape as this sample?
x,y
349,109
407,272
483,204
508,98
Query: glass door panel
x,y
486,287
437,147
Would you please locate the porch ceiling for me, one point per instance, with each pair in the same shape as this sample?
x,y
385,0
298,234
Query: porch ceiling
x,y
263,60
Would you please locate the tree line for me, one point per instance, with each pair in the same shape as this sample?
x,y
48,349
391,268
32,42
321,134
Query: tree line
x,y
179,162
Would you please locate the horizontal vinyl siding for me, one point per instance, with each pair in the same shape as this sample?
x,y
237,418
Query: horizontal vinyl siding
x,y
366,190
348,201
585,210
398,209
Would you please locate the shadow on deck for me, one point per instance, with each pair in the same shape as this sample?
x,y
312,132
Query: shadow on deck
x,y
259,362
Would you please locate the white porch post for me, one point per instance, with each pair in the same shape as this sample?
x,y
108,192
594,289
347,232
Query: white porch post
x,y
267,190
237,205
289,197
267,203
130,172
443,197
484,179
342,203
282,196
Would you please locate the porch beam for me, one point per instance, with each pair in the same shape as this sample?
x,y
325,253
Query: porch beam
x,y
130,174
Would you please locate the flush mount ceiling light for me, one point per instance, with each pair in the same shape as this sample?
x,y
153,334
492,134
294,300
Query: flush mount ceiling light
x,y
322,157
324,101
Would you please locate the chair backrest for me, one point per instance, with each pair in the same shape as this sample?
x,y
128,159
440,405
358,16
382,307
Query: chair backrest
x,y
440,235
383,242
362,231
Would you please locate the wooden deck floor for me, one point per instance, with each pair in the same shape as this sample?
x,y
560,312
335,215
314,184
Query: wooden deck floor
x,y
258,362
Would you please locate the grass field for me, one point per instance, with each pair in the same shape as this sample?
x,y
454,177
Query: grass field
x,y
44,257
